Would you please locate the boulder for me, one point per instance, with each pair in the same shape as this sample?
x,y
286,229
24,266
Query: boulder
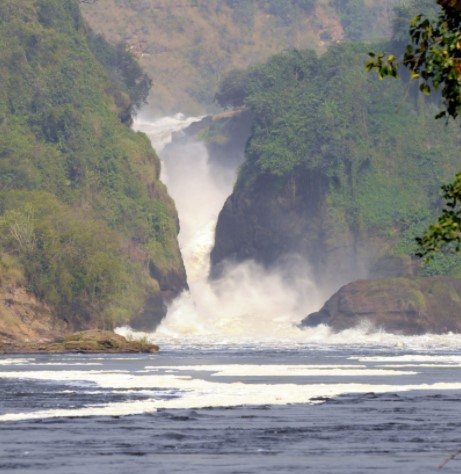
x,y
407,306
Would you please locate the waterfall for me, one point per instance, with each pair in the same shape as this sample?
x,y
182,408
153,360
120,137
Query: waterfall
x,y
248,301
198,194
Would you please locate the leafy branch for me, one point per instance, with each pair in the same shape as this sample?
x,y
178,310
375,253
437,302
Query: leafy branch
x,y
434,59
447,230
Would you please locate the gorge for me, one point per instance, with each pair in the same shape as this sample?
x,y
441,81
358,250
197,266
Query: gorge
x,y
265,296
233,305
334,181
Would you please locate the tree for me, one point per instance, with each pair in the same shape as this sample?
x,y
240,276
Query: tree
x,y
434,59
233,89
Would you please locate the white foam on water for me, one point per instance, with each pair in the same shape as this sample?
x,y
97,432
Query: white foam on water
x,y
15,361
196,386
416,365
196,393
244,370
417,358
32,363
270,369
193,330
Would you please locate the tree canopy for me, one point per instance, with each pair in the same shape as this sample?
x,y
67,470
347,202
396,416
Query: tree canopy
x,y
433,58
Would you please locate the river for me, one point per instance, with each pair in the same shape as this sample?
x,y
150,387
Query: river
x,y
237,387
348,409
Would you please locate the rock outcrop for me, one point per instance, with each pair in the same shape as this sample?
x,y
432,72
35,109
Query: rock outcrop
x,y
396,305
273,217
93,341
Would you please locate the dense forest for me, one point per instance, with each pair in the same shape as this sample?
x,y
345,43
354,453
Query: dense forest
x,y
86,226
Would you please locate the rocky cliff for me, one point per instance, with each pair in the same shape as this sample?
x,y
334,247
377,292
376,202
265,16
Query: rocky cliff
x,y
274,217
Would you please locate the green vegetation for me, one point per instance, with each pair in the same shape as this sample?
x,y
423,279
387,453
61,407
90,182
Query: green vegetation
x,y
81,206
433,59
124,71
359,18
323,119
188,48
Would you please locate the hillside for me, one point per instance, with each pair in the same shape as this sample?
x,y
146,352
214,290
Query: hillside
x,y
88,232
341,168
187,46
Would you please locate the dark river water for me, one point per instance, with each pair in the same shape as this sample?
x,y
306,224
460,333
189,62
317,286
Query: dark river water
x,y
238,410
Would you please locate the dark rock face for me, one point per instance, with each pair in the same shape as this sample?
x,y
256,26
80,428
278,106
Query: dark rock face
x,y
152,312
265,222
274,217
397,305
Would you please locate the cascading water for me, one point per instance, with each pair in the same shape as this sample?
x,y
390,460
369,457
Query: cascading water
x,y
198,197
248,304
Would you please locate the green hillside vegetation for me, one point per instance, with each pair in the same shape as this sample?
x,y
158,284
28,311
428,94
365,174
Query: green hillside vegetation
x,y
82,212
187,46
361,159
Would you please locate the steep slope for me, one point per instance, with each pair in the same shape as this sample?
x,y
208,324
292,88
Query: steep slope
x,y
86,226
188,45
340,168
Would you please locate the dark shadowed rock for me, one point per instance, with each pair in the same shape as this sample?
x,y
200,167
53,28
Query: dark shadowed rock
x,y
397,305
275,217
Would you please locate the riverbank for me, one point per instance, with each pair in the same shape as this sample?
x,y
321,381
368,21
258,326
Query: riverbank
x,y
94,341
